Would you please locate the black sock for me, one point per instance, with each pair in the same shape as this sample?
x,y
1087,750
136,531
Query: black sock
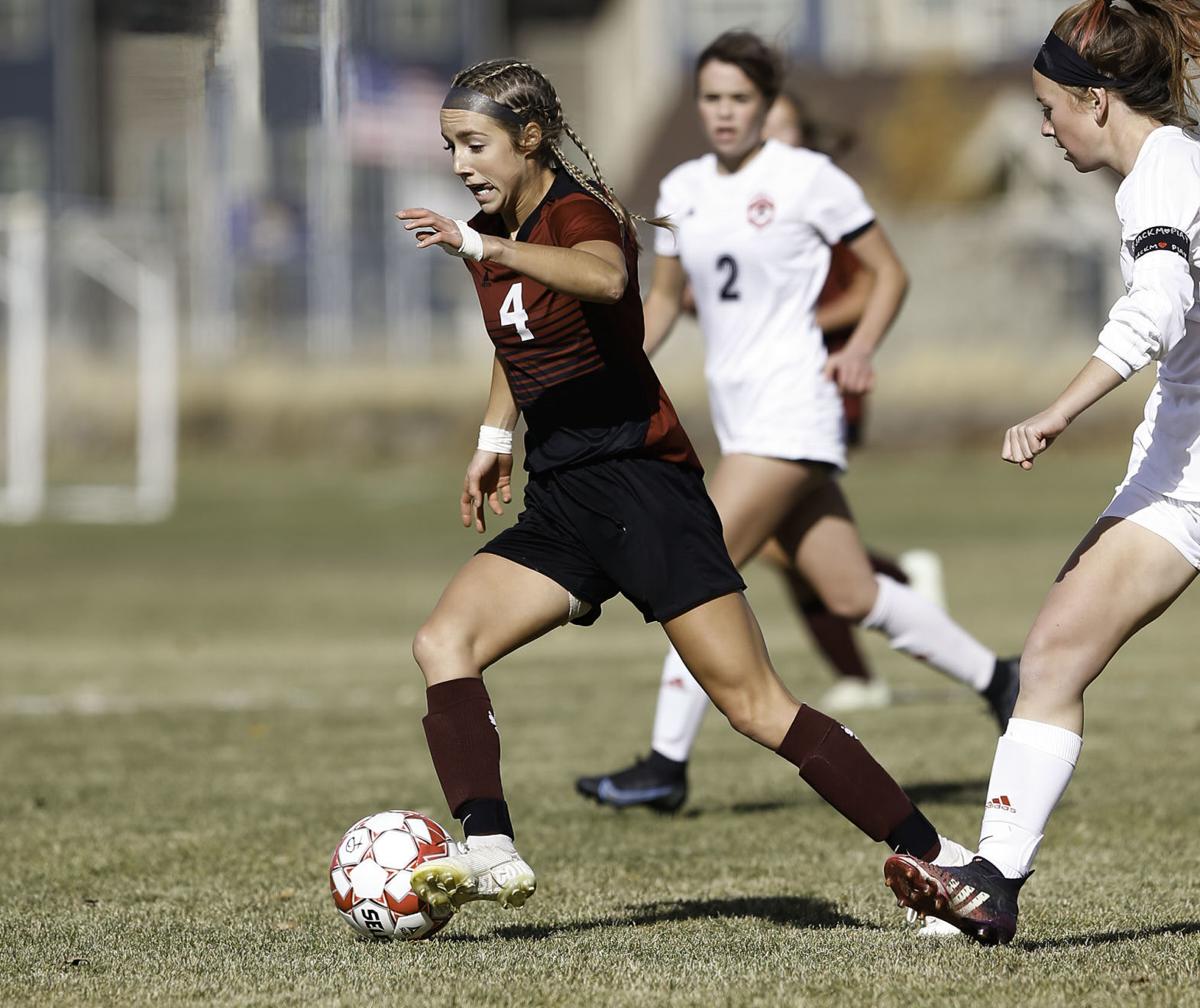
x,y
916,836
1001,680
665,765
484,816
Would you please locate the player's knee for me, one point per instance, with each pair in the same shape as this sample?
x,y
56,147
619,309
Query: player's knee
x,y
747,715
1052,670
773,555
851,602
423,647
434,647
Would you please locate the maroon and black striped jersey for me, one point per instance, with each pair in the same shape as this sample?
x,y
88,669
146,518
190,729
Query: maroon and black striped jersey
x,y
577,369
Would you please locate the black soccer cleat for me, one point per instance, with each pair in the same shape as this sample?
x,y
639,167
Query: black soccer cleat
x,y
655,781
1001,692
976,898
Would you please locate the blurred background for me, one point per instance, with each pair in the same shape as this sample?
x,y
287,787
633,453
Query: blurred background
x,y
198,253
235,409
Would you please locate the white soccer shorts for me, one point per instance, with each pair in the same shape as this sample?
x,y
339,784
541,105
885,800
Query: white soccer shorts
x,y
1176,521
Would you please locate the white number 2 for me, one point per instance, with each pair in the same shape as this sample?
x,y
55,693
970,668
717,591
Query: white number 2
x,y
513,313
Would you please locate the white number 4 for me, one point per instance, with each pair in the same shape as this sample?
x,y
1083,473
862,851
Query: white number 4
x,y
513,313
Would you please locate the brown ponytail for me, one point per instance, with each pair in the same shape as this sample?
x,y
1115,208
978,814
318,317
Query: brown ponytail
x,y
525,90
1153,44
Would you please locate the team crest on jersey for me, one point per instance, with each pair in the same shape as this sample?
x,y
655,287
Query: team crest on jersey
x,y
761,211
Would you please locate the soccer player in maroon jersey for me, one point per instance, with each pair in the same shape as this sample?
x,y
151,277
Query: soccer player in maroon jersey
x,y
615,501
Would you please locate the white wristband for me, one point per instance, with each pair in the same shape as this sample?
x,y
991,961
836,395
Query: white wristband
x,y
495,439
472,242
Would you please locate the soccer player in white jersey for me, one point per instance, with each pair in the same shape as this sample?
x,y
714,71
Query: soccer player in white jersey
x,y
754,223
839,308
1113,83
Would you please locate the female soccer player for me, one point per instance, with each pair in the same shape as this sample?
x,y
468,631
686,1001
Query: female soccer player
x,y
756,219
1114,87
840,306
615,500
847,289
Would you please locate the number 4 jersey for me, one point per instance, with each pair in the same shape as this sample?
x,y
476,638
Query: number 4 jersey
x,y
755,245
576,368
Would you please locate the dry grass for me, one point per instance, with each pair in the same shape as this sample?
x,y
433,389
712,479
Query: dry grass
x,y
191,713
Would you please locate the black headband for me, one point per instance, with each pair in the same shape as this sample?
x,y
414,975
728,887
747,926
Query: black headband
x,y
469,100
1063,65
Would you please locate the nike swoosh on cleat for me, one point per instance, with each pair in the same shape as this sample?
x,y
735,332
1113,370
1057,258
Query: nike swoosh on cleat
x,y
609,792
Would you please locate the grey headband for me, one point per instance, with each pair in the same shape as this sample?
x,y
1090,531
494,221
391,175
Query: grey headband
x,y
468,100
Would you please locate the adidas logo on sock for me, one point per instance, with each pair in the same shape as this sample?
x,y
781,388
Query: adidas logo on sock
x,y
1001,804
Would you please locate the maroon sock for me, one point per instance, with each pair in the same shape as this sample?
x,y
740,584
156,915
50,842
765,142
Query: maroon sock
x,y
463,741
835,764
888,567
835,640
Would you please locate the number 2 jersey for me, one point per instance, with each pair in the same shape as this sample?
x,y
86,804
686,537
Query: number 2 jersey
x,y
576,368
755,245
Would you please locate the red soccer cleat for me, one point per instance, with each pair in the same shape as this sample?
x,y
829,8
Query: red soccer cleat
x,y
976,898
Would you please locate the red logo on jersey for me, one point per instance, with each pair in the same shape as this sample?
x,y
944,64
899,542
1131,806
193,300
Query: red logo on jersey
x,y
761,211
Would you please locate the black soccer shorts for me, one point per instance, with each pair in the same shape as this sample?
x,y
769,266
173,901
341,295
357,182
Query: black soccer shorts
x,y
640,527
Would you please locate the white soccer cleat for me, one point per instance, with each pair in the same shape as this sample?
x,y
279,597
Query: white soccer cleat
x,y
484,868
851,695
930,927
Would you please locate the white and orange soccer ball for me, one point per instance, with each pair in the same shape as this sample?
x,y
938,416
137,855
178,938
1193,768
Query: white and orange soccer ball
x,y
370,875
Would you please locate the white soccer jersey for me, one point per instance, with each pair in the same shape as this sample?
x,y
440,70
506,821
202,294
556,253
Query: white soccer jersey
x,y
755,246
1159,318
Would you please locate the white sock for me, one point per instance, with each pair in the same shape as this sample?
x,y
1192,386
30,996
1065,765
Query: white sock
x,y
1034,763
952,854
500,840
917,627
682,704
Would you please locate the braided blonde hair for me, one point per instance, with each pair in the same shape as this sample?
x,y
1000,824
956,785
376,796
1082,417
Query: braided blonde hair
x,y
529,93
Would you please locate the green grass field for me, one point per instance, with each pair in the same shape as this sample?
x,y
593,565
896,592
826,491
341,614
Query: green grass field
x,y
190,715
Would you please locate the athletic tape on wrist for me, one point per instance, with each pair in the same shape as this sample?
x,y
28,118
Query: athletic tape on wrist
x,y
495,439
472,242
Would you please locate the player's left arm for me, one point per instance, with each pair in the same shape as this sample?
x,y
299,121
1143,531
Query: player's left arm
x,y
489,473
847,307
588,270
851,366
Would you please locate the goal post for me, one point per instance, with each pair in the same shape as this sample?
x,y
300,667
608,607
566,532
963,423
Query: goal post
x,y
23,291
146,282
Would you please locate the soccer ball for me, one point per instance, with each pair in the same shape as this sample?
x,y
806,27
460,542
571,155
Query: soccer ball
x,y
371,872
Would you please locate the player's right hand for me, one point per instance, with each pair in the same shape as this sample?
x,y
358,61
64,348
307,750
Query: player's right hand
x,y
1031,437
432,229
489,476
